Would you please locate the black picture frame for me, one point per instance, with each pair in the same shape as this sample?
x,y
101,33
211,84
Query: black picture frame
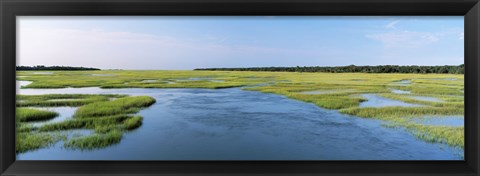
x,y
9,9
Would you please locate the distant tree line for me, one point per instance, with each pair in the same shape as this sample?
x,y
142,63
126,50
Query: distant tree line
x,y
41,67
446,69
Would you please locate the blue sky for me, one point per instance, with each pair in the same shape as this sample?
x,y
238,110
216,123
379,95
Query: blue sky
x,y
178,43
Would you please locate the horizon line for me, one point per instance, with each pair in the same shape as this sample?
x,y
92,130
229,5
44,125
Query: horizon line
x,y
237,67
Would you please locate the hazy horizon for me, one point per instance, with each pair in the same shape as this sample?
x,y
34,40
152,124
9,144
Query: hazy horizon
x,y
215,67
186,43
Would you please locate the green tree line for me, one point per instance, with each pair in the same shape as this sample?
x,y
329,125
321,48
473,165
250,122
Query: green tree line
x,y
42,67
446,69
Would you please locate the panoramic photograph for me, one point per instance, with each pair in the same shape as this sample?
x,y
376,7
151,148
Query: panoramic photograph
x,y
240,88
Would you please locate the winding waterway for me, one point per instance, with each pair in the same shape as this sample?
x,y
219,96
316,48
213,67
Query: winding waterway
x,y
234,124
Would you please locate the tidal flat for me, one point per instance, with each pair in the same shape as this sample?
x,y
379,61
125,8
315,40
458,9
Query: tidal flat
x,y
125,103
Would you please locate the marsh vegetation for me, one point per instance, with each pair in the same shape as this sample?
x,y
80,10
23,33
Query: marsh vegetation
x,y
108,118
111,115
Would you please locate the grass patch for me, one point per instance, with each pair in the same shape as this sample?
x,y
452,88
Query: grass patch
x,y
89,123
133,123
95,141
452,136
29,115
27,141
126,105
401,117
388,113
329,101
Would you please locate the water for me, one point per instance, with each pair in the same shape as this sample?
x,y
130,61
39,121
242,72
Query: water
x,y
424,98
233,124
22,83
78,133
149,81
379,101
64,113
452,121
450,79
43,73
397,91
64,99
402,83
69,134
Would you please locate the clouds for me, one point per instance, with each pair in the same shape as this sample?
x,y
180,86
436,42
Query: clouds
x,y
392,24
409,39
418,42
394,37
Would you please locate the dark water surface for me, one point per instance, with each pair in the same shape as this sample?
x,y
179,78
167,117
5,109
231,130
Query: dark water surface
x,y
233,124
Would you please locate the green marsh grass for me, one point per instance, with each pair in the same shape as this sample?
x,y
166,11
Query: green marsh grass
x,y
453,136
329,101
126,105
26,141
397,112
53,100
88,123
447,101
401,117
29,115
343,93
132,123
95,141
108,118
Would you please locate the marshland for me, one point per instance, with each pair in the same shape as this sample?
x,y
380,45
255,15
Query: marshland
x,y
148,114
240,88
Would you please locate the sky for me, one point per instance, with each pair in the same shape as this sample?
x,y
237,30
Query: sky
x,y
189,42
